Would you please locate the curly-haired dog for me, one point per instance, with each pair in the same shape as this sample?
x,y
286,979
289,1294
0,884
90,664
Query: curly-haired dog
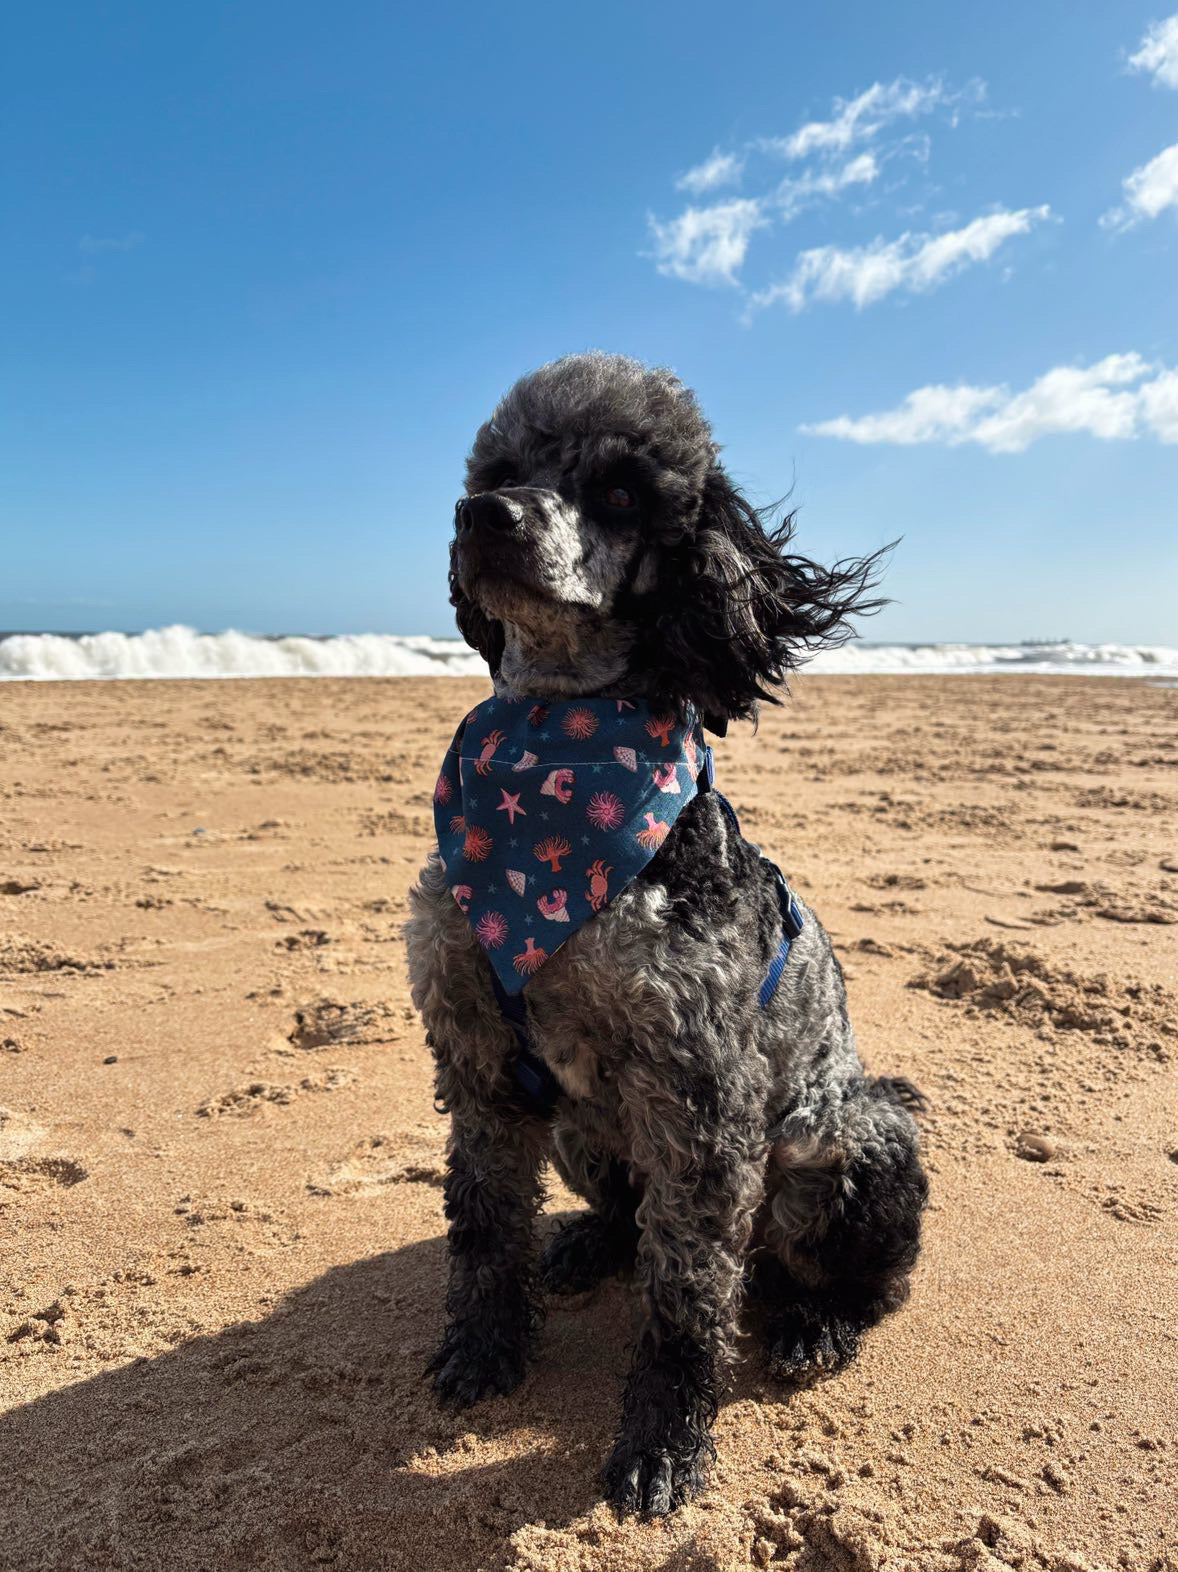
x,y
601,551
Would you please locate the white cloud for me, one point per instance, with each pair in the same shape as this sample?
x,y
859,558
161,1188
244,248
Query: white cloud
x,y
865,274
1117,398
707,245
721,169
1148,191
858,119
1158,52
792,195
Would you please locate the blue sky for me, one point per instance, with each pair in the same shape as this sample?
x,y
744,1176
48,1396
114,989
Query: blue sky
x,y
268,266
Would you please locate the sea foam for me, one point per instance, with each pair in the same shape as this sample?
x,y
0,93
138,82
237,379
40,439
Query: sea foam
x,y
183,652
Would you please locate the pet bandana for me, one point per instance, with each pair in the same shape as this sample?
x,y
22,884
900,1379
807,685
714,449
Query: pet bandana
x,y
546,810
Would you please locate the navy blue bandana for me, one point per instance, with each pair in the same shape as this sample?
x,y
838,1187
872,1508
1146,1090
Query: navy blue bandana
x,y
546,810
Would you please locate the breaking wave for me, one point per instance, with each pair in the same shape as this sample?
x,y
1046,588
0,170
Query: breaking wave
x,y
182,652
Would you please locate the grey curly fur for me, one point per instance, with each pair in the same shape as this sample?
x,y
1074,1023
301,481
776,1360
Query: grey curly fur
x,y
708,1135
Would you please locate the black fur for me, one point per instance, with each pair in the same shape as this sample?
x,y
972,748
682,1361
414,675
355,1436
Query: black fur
x,y
713,1140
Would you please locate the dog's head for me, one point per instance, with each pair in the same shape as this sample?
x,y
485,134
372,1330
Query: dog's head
x,y
600,546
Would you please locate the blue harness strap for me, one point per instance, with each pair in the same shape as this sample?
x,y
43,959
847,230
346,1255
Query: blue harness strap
x,y
538,1088
791,912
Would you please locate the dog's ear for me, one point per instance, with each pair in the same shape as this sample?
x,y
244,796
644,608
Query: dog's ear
x,y
737,612
481,632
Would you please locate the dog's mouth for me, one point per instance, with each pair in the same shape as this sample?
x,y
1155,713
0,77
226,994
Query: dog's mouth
x,y
500,579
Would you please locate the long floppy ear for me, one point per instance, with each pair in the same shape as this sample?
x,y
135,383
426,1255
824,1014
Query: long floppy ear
x,y
737,612
481,632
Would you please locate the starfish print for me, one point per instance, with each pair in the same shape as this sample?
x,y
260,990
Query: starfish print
x,y
510,805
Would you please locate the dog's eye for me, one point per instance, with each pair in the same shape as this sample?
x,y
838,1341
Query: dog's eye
x,y
504,480
620,497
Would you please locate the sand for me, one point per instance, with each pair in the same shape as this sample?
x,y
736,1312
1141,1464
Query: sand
x,y
223,1254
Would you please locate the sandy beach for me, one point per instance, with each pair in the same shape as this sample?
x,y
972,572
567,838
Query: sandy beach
x,y
220,1166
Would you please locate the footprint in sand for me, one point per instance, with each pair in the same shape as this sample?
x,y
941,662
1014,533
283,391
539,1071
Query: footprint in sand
x,y
413,1158
244,1101
41,1173
324,1022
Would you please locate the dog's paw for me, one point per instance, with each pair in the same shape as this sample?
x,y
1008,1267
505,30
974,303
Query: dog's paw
x,y
653,1480
583,1253
473,1361
806,1345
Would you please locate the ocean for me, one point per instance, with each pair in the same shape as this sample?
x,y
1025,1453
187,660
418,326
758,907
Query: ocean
x,y
183,652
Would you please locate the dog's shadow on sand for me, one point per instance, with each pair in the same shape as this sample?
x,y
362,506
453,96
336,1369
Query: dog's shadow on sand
x,y
310,1438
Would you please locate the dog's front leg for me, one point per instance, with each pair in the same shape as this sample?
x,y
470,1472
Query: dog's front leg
x,y
492,1197
701,1183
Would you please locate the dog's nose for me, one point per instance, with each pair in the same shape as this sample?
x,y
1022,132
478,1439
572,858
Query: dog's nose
x,y
489,511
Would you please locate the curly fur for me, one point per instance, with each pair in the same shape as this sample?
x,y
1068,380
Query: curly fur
x,y
707,1135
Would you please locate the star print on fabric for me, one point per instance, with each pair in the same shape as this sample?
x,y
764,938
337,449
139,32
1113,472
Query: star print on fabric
x,y
544,775
510,806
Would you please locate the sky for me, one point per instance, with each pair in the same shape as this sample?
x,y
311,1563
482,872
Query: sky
x,y
268,266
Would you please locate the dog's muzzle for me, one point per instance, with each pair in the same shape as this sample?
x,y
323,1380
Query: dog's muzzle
x,y
488,514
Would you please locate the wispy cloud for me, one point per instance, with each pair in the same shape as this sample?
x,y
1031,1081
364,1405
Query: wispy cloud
x,y
707,245
858,119
1158,52
913,262
721,169
1147,192
1118,398
794,194
94,245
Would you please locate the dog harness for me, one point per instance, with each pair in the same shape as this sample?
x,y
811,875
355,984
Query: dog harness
x,y
545,811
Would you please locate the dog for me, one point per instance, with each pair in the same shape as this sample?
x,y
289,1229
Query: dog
x,y
602,553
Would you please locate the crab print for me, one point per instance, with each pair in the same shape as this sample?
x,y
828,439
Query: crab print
x,y
598,892
490,743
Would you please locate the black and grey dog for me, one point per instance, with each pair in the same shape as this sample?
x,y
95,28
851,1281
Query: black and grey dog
x,y
601,549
